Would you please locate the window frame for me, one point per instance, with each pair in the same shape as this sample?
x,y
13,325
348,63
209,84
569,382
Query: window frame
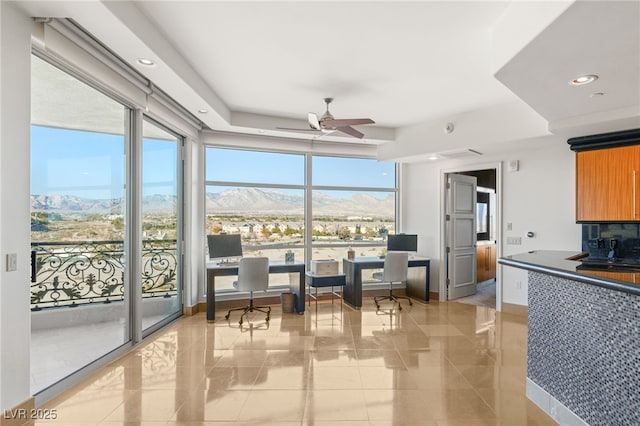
x,y
308,188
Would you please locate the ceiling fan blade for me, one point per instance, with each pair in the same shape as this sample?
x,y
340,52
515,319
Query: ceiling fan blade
x,y
314,123
297,129
324,133
350,131
347,122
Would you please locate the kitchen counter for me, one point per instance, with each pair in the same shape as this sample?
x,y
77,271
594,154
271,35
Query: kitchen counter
x,y
582,341
560,264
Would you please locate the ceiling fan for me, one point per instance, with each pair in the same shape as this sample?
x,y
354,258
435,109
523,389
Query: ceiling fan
x,y
326,123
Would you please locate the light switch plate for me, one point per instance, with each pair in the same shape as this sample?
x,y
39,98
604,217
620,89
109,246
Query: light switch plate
x,y
514,241
12,262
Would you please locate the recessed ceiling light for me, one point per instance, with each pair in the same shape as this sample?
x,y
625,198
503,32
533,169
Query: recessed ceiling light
x,y
583,79
202,111
146,62
433,157
596,95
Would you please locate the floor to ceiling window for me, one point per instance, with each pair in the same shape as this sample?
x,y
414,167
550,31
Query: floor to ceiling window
x,y
79,293
86,241
161,224
353,204
261,195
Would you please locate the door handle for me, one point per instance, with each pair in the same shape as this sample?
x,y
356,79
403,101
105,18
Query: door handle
x,y
634,194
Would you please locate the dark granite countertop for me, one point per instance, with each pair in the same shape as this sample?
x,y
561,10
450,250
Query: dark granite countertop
x,y
560,264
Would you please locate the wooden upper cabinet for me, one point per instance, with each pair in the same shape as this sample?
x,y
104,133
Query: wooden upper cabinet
x,y
607,184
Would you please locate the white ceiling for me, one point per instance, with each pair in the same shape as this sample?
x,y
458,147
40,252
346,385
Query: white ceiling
x,y
398,63
258,65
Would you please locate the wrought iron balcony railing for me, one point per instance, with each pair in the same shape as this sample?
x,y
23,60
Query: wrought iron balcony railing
x,y
75,273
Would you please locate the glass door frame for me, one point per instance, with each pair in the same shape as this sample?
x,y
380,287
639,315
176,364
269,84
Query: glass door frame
x,y
180,142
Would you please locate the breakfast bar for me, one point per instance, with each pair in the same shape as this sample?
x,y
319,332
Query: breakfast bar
x,y
583,338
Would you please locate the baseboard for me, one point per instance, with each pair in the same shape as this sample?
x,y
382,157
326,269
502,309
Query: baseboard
x,y
188,311
224,305
554,408
513,309
275,300
25,413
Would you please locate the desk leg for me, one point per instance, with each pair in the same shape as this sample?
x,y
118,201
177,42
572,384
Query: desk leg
x,y
353,287
427,283
300,292
211,296
418,287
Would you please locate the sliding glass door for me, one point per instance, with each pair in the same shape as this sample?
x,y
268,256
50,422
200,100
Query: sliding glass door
x,y
106,258
79,290
161,225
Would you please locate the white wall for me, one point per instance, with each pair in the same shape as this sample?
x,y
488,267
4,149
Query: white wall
x,y
540,197
15,61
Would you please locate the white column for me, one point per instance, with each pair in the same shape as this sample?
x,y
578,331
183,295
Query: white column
x,y
15,116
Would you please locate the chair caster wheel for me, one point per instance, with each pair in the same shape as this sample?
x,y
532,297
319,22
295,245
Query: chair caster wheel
x,y
399,307
226,317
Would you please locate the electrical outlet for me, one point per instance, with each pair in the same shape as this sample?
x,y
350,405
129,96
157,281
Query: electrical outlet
x,y
12,262
514,241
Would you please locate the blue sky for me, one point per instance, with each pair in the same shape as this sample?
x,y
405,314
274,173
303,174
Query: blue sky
x,y
92,165
289,169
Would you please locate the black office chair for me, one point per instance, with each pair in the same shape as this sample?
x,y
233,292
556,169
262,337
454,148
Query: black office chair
x,y
395,271
253,275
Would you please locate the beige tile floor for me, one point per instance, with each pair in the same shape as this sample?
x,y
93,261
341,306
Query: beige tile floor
x,y
435,364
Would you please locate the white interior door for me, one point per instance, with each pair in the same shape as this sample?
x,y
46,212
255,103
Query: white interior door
x,y
461,236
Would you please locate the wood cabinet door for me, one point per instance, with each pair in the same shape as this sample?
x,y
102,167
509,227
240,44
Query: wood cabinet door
x,y
486,255
481,273
607,184
491,273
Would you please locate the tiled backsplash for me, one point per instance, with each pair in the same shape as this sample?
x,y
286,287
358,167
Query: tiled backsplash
x,y
626,234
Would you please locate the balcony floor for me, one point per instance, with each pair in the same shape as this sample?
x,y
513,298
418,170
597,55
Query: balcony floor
x,y
58,352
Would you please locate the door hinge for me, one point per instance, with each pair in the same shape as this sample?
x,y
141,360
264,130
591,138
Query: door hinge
x,y
448,185
447,217
448,281
448,250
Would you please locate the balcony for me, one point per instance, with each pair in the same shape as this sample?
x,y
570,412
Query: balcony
x,y
78,273
77,301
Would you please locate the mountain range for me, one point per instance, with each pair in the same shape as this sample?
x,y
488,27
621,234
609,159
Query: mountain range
x,y
230,201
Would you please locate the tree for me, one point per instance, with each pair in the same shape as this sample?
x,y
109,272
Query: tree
x,y
344,233
118,223
266,233
290,231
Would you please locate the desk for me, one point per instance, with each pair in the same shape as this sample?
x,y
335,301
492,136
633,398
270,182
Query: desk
x,y
317,281
416,288
275,267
